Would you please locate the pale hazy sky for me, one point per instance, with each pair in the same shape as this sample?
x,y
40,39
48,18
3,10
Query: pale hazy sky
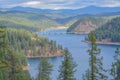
x,y
59,4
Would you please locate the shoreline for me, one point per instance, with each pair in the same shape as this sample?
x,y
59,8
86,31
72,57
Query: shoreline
x,y
53,28
45,56
49,55
58,27
77,33
104,43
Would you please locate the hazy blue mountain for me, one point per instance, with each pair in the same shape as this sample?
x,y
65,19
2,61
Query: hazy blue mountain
x,y
19,8
86,10
27,17
96,10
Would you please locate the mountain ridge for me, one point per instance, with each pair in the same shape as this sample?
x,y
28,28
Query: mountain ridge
x,y
85,10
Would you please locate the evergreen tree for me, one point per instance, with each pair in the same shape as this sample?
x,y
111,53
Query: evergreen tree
x,y
15,70
67,69
95,61
3,47
45,69
115,70
14,66
10,64
86,76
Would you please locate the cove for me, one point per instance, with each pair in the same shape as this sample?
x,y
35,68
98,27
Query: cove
x,y
78,49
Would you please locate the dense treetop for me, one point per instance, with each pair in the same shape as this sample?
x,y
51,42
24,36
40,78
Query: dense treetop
x,y
31,44
109,31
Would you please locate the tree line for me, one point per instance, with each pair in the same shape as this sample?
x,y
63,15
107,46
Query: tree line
x,y
96,70
10,61
11,64
110,31
30,43
14,45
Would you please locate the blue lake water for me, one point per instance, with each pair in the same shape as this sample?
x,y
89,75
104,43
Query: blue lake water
x,y
77,48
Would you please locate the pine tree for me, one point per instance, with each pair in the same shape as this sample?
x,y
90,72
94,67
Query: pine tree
x,y
95,61
86,76
115,70
67,69
15,70
14,65
45,69
3,47
10,64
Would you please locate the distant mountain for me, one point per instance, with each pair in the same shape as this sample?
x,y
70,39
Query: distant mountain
x,y
19,8
38,19
70,12
96,10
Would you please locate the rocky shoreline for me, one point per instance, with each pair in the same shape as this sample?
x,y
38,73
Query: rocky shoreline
x,y
105,43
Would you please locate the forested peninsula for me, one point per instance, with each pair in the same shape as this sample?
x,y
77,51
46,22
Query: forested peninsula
x,y
32,45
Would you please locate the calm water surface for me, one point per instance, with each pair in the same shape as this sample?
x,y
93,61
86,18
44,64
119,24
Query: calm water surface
x,y
77,48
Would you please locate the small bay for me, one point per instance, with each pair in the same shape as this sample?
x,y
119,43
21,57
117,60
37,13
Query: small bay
x,y
78,49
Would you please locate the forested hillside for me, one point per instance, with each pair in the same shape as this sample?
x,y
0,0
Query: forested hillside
x,y
109,31
26,20
12,62
19,44
31,44
87,24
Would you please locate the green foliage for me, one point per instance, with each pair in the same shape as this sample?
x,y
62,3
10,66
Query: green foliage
x,y
86,76
110,31
115,70
14,71
10,62
45,69
67,68
95,61
26,20
30,44
3,47
14,66
98,21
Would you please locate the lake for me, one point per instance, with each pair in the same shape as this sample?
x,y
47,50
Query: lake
x,y
77,48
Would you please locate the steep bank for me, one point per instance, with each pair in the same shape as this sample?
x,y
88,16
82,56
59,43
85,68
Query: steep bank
x,y
109,31
87,24
84,27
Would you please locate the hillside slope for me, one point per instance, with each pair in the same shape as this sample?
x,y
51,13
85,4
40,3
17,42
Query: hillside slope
x,y
87,24
110,31
32,45
26,20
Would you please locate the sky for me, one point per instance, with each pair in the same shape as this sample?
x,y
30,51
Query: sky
x,y
59,4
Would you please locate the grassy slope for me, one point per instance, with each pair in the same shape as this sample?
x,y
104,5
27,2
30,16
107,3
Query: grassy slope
x,y
25,20
88,23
